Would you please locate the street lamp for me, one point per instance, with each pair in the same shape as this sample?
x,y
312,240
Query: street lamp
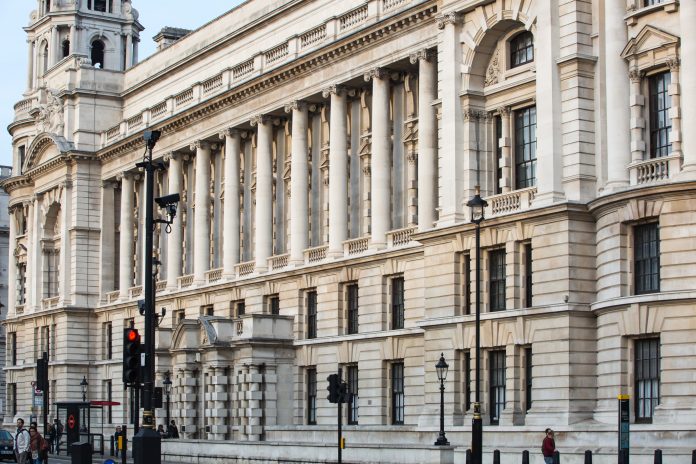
x,y
167,383
477,205
441,368
83,387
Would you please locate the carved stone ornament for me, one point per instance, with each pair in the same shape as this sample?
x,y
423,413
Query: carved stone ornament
x,y
673,63
424,54
50,116
447,18
295,105
260,119
635,75
333,89
493,71
376,73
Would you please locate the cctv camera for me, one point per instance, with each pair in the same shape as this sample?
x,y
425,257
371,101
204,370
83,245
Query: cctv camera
x,y
151,137
165,200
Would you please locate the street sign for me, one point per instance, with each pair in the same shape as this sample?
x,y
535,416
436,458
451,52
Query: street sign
x,y
624,429
38,398
71,422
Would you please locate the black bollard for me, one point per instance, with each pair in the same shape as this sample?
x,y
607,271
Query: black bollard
x,y
111,446
556,457
496,456
693,457
658,456
468,456
588,457
525,457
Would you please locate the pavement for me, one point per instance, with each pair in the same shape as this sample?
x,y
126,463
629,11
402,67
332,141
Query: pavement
x,y
63,459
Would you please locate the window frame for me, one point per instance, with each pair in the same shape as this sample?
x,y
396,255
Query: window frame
x,y
398,302
638,403
311,385
496,387
528,365
519,43
466,367
466,285
273,303
528,283
496,281
352,293
639,261
311,307
658,95
521,132
398,395
353,405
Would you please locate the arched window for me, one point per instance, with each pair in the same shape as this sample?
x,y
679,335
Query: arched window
x,y
47,6
66,48
100,5
97,54
51,245
521,49
44,56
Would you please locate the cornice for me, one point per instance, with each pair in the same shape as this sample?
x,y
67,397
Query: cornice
x,y
605,203
292,70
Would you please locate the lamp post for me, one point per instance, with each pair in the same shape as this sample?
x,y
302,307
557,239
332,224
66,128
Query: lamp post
x,y
477,206
441,368
83,387
167,383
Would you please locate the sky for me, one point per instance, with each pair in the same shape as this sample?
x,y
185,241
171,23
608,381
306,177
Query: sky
x,y
154,15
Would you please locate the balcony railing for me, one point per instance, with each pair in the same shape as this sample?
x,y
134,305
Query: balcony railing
x,y
213,275
278,262
355,246
50,303
112,297
136,291
243,269
19,309
511,202
315,254
160,286
654,170
185,281
400,237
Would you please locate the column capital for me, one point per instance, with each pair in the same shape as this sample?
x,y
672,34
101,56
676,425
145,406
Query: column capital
x,y
337,89
376,73
295,105
673,63
260,119
202,144
126,175
421,55
471,114
447,18
504,111
229,132
109,183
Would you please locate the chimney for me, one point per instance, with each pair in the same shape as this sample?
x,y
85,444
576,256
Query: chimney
x,y
169,35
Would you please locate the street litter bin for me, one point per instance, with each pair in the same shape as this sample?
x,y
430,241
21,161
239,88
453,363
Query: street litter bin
x,y
81,453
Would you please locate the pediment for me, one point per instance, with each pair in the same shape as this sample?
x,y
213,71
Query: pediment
x,y
648,39
45,147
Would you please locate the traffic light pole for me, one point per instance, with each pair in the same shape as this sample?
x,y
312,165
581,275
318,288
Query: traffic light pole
x,y
340,418
147,444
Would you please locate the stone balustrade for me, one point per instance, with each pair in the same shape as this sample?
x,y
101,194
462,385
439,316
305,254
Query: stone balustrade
x,y
400,237
278,261
50,303
356,246
315,254
511,202
246,268
211,84
23,107
654,170
185,281
112,297
160,286
313,37
213,275
135,292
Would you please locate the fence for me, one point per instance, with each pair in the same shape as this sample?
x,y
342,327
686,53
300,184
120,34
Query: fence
x,y
588,457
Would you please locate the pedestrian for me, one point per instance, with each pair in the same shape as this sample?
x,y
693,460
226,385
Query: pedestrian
x,y
160,430
117,434
37,446
173,431
548,447
59,433
51,438
21,443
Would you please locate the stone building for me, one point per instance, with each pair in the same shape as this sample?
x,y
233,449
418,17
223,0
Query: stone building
x,y
324,152
5,172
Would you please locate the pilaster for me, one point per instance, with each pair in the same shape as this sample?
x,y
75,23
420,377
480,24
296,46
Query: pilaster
x,y
175,239
299,182
201,241
687,44
264,192
127,246
231,216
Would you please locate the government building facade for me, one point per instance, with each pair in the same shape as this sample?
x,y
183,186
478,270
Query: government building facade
x,y
325,152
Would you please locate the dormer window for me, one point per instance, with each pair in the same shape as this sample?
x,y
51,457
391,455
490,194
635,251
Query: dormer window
x,y
521,49
97,54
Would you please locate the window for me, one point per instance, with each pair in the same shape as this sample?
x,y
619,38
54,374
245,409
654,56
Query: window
x,y
497,382
240,308
109,397
397,393
51,260
12,398
207,310
660,121
21,154
312,314
466,287
12,346
498,154
97,54
352,380
108,341
521,49
646,242
47,6
647,378
497,279
651,2
66,48
525,148
21,283
101,5
527,275
467,380
179,316
528,378
352,304
311,396
274,305
397,302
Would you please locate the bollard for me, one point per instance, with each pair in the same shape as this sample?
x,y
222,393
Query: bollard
x,y
693,457
468,456
525,457
81,453
658,456
588,457
496,456
111,446
623,456
556,457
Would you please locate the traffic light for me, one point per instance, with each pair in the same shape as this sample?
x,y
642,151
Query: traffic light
x,y
131,356
42,374
343,392
333,388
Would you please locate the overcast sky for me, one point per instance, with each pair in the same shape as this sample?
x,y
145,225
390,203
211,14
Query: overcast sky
x,y
154,15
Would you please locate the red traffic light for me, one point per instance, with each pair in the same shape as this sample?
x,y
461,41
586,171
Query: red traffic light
x,y
132,335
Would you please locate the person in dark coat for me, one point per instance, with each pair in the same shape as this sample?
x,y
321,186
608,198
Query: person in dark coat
x,y
548,447
172,430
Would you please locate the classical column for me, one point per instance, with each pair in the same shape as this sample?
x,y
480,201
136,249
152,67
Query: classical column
x,y
107,238
73,39
264,191
12,262
427,139
53,47
549,147
30,62
451,187
129,50
125,276
381,157
637,120
136,41
505,161
676,135
201,215
65,266
687,84
231,245
617,100
338,170
299,182
175,239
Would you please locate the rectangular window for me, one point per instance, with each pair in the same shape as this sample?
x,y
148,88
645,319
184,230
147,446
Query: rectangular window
x,y
109,397
646,248
498,154
528,378
240,308
527,275
12,398
21,283
651,2
497,279
179,316
21,154
525,148
496,374
108,341
12,345
397,390
660,121
207,310
274,305
352,304
52,351
311,396
466,288
397,302
467,380
647,378
352,380
312,314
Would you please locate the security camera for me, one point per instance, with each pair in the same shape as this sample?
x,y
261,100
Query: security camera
x,y
167,200
151,138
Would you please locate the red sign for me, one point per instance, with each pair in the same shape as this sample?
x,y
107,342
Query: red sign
x,y
71,421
